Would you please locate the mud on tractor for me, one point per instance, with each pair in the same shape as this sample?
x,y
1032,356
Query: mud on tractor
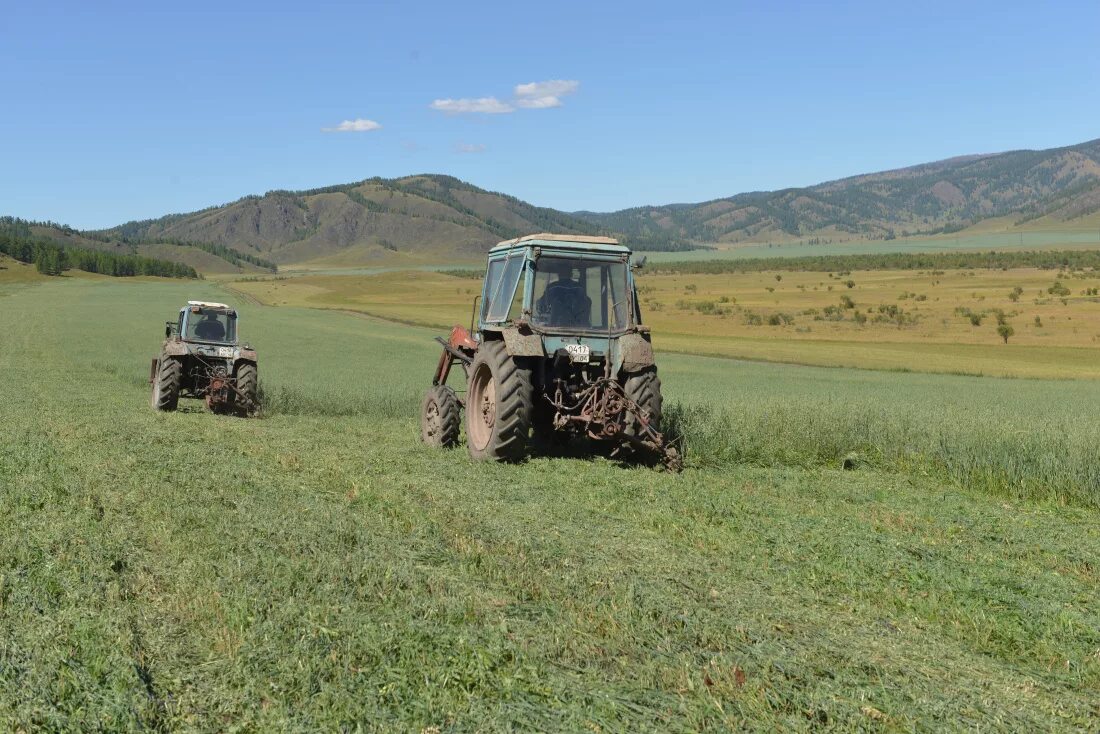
x,y
202,358
558,351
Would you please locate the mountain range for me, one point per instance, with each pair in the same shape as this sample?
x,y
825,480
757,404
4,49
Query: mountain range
x,y
429,216
1061,184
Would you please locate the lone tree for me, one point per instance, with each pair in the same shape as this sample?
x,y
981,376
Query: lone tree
x,y
1005,331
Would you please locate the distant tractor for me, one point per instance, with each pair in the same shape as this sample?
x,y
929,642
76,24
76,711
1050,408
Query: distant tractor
x,y
559,351
201,358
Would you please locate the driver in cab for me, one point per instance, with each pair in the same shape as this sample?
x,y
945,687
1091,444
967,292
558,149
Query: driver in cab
x,y
210,328
564,303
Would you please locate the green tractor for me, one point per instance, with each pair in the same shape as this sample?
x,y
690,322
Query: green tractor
x,y
202,358
559,351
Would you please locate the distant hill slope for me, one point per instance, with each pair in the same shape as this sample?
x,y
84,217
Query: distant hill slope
x,y
425,214
1059,184
434,217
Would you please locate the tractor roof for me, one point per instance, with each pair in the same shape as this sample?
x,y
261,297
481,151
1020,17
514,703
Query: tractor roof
x,y
565,241
206,304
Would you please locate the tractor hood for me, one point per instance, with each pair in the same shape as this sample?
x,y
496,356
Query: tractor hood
x,y
631,351
179,348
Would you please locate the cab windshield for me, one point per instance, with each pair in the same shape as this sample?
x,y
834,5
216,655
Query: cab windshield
x,y
211,325
585,295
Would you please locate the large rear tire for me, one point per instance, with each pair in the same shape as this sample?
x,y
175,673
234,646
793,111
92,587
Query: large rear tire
x,y
166,384
440,417
248,382
644,388
498,405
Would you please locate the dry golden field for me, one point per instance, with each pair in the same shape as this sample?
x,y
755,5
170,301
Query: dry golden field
x,y
934,321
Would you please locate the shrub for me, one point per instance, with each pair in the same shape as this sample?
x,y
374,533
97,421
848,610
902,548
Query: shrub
x,y
1058,289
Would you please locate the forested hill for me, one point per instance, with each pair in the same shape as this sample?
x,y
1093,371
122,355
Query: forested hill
x,y
1060,184
420,215
24,241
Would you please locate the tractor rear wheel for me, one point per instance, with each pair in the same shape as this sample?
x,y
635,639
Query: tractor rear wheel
x,y
166,384
440,417
498,405
644,389
248,383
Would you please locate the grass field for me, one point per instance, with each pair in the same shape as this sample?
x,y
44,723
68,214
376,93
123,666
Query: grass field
x,y
985,236
320,569
898,320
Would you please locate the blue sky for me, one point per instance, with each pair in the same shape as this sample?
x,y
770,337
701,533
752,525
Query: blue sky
x,y
117,111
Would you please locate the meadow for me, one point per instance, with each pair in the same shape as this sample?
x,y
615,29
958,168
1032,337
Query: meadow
x,y
985,236
946,321
318,568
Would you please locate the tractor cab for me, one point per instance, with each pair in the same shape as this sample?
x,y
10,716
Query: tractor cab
x,y
200,321
568,293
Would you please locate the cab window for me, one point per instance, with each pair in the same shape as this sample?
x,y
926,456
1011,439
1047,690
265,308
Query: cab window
x,y
211,325
501,281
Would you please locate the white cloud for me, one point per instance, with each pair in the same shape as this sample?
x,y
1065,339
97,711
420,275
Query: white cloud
x,y
358,125
544,95
484,105
471,147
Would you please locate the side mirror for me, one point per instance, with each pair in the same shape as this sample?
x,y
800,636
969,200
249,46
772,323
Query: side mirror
x,y
639,264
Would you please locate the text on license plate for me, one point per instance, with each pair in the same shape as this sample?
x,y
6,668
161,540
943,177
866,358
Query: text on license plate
x,y
578,352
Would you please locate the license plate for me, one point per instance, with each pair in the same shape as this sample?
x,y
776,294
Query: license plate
x,y
578,352
225,351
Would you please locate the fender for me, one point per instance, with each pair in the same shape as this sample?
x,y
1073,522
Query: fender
x,y
522,343
636,350
175,349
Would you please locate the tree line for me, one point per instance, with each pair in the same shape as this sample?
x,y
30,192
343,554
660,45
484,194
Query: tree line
x,y
51,258
225,253
228,254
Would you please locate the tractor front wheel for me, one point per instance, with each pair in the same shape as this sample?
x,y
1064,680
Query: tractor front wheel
x,y
248,383
166,384
498,405
440,417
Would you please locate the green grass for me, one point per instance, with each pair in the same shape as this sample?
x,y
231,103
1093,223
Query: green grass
x,y
320,569
1027,439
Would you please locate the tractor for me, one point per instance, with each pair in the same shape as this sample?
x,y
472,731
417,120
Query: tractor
x,y
202,358
559,352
